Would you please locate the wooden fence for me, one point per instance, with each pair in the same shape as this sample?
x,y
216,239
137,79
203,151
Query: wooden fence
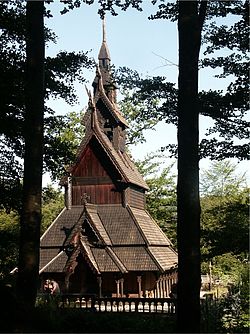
x,y
92,303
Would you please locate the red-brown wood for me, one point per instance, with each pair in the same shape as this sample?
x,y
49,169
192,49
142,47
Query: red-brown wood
x,y
90,178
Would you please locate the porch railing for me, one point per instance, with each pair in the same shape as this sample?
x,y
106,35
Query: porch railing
x,y
93,303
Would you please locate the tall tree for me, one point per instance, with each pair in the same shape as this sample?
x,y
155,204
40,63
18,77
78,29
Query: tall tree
x,y
222,179
61,71
226,41
28,266
225,211
191,16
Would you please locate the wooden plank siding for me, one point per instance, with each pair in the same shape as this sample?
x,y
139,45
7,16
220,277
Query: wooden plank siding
x,y
97,194
135,198
90,165
91,178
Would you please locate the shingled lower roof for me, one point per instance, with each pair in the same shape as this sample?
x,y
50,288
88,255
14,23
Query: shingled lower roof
x,y
129,240
119,225
150,230
166,257
136,258
60,229
52,260
97,223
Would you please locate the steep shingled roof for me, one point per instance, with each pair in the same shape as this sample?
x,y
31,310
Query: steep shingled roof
x,y
121,161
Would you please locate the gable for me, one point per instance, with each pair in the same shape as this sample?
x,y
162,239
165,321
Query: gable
x,y
94,166
89,165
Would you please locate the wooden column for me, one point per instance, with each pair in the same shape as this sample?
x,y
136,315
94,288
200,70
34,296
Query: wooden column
x,y
117,288
122,281
168,286
139,286
157,290
164,286
66,281
160,287
99,279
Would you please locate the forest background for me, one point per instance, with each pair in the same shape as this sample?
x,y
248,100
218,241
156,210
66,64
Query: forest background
x,y
224,213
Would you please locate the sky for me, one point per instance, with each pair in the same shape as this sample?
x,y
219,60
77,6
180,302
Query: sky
x,y
148,46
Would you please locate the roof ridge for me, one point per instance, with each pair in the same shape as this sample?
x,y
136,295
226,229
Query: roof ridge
x,y
136,223
111,106
154,259
94,227
86,250
116,259
54,221
51,261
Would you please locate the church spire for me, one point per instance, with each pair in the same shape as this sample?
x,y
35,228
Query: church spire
x,y
104,56
104,80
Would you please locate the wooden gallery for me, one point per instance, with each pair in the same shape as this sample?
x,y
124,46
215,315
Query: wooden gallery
x,y
104,242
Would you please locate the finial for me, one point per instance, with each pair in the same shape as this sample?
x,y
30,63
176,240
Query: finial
x,y
104,29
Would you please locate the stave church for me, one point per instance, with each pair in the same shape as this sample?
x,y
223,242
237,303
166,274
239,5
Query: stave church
x,y
104,242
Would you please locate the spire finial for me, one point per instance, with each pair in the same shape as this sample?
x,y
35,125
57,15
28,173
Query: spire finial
x,y
104,29
104,52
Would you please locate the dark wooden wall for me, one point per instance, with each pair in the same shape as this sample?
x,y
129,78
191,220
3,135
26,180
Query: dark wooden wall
x,y
91,178
97,194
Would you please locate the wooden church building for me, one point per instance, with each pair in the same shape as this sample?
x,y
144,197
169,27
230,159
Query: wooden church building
x,y
104,242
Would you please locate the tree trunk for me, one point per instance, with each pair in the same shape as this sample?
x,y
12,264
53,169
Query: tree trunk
x,y
188,202
28,266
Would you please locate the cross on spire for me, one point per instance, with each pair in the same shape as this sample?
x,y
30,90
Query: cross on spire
x,y
85,198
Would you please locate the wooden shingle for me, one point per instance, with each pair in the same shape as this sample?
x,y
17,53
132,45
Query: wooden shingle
x,y
52,260
165,256
135,258
60,229
119,225
152,232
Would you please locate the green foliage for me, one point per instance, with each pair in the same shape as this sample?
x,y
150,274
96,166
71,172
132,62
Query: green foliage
x,y
10,187
47,319
104,6
63,135
228,268
146,101
224,315
224,225
53,203
132,112
234,319
225,241
224,214
222,179
9,236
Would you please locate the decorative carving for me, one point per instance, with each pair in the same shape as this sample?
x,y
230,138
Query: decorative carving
x,y
84,198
